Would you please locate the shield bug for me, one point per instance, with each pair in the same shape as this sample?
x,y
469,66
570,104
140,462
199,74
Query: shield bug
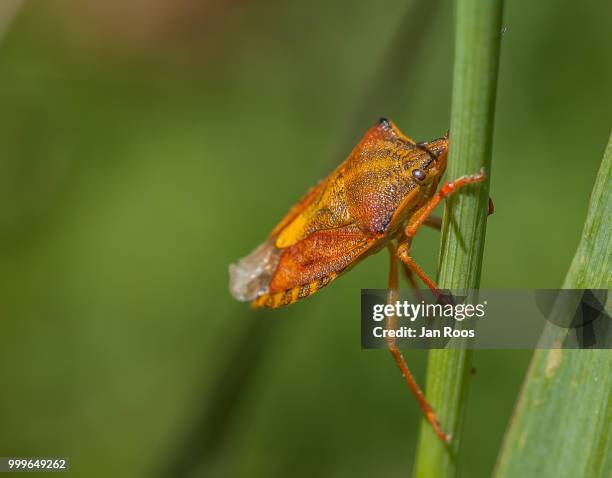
x,y
378,197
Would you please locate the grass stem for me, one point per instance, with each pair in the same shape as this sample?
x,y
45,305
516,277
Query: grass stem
x,y
477,46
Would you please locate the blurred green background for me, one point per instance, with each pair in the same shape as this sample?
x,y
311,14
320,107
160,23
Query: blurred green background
x,y
146,145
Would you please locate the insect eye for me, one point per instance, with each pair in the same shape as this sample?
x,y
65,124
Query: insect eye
x,y
418,174
384,122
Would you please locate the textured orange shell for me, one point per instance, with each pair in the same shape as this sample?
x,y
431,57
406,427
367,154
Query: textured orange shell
x,y
351,214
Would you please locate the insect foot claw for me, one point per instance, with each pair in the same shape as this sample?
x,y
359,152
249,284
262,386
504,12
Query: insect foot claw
x,y
478,177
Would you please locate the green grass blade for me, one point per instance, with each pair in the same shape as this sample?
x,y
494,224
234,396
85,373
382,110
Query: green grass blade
x,y
562,426
592,264
478,31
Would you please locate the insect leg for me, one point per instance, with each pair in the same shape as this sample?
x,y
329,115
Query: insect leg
x,y
421,217
435,222
412,282
445,191
404,254
392,294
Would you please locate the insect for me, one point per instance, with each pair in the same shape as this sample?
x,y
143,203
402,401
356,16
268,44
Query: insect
x,y
377,198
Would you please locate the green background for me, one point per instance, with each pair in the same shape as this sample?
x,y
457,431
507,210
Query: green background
x,y
144,147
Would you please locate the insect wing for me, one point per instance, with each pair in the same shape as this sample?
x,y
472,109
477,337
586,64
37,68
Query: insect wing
x,y
314,262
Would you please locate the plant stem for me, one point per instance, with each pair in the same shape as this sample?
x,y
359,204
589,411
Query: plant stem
x,y
477,45
562,423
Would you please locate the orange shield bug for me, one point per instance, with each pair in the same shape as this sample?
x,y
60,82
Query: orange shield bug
x,y
378,197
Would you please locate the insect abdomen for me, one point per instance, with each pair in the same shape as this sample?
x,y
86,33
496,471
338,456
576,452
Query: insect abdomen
x,y
290,296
